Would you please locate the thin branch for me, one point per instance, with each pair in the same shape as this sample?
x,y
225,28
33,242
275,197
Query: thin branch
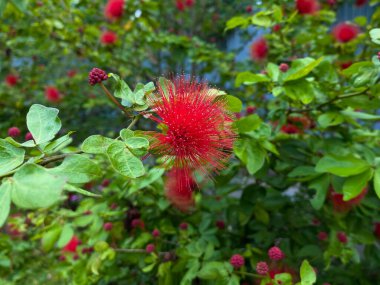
x,y
134,121
320,106
131,250
249,274
113,99
58,157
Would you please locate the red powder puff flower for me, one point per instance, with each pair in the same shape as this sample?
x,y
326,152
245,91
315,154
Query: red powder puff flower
x,y
198,133
359,3
150,248
189,3
345,32
301,122
262,268
11,80
180,5
276,28
179,188
307,7
250,110
275,253
72,245
290,129
28,136
249,9
138,223
114,9
52,94
344,206
108,38
183,226
259,49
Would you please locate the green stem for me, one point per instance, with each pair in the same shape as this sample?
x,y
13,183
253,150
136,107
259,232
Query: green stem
x,y
249,274
113,99
134,121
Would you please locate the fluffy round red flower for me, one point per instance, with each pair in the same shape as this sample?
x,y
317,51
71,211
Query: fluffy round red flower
x,y
250,110
249,9
108,38
340,205
52,94
262,268
138,223
359,3
275,253
276,28
183,226
155,233
14,132
114,9
180,5
179,188
284,67
189,3
198,133
11,80
237,261
72,245
290,129
345,32
342,237
259,49
307,7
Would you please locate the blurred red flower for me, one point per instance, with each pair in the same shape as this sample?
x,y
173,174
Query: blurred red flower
x,y
345,32
259,49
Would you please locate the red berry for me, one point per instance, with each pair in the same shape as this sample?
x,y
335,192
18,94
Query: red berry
x,y
14,132
262,268
276,28
183,226
137,223
237,261
106,182
155,233
28,136
62,258
11,80
108,38
249,9
107,227
322,236
220,224
377,230
250,110
275,253
284,67
150,248
342,237
96,75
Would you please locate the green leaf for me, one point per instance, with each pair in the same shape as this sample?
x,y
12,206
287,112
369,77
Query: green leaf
x,y
236,22
273,71
251,154
341,165
34,187
247,123
21,5
233,103
300,90
3,4
308,275
66,235
77,168
137,143
330,119
5,201
375,36
125,134
10,156
249,78
359,115
354,185
123,161
376,182
321,186
49,238
58,144
43,123
213,270
96,144
301,67
122,91
72,188
261,19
